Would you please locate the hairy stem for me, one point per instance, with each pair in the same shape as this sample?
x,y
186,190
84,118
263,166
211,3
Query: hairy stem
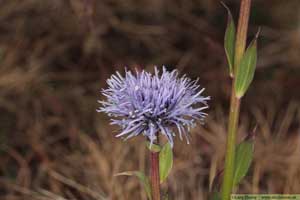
x,y
227,185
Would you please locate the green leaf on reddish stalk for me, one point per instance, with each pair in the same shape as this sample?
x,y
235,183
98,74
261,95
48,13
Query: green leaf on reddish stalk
x,y
229,41
243,159
165,161
142,178
246,69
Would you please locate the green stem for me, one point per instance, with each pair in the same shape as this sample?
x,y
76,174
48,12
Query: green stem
x,y
227,184
230,149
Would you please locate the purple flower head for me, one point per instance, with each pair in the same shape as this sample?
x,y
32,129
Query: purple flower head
x,y
142,103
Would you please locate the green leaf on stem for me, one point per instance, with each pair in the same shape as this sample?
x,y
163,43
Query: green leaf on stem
x,y
142,178
229,41
246,69
153,147
165,161
243,159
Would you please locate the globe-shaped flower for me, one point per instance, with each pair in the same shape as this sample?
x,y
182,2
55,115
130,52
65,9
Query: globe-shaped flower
x,y
142,103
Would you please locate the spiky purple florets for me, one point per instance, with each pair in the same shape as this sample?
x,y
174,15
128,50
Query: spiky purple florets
x,y
147,104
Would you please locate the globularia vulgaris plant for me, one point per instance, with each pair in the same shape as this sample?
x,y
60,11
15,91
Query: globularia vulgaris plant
x,y
154,105
242,64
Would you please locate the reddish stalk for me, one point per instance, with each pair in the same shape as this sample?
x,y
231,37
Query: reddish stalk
x,y
154,175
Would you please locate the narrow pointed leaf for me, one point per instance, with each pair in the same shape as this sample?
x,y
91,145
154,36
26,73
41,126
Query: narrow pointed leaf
x,y
142,178
229,41
153,147
165,161
243,159
246,69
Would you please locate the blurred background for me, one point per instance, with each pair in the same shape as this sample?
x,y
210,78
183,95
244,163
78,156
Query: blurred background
x,y
55,56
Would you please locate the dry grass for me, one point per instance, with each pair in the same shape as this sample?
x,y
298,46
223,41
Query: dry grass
x,y
55,58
